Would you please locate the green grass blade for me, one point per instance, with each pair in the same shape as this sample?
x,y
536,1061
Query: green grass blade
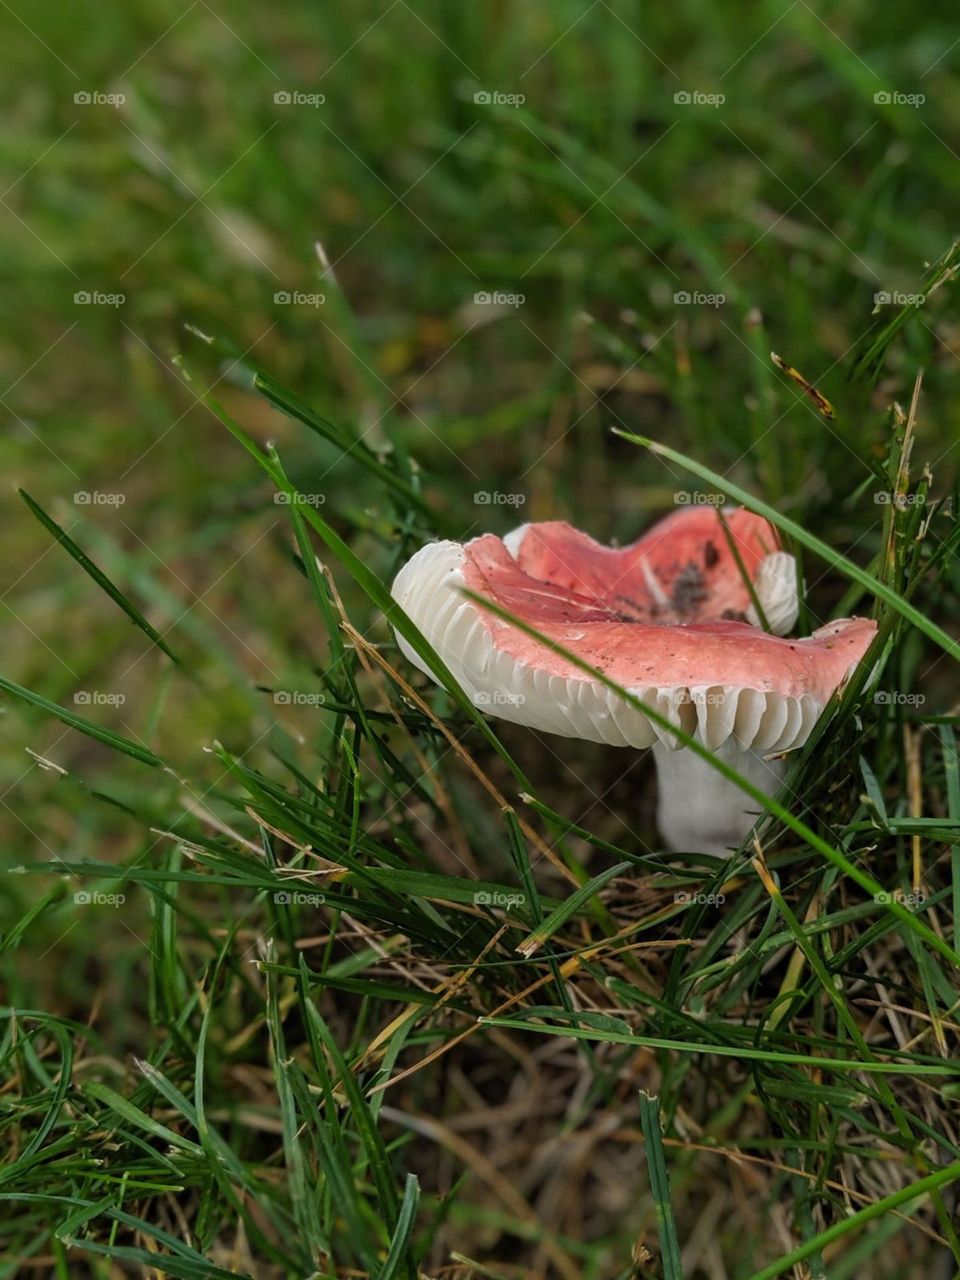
x,y
106,736
858,1220
97,574
400,1244
660,1187
139,1119
951,769
610,1036
558,918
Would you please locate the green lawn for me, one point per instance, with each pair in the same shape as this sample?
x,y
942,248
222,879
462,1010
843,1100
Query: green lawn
x,y
429,265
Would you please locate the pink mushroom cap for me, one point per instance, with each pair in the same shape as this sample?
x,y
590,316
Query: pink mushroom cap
x,y
669,618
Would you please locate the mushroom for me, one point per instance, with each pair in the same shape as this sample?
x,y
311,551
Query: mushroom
x,y
671,619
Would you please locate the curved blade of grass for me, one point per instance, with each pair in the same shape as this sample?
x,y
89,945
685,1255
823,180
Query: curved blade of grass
x,y
578,1031
805,539
10,940
860,1219
139,1119
105,736
401,1236
769,803
97,574
535,940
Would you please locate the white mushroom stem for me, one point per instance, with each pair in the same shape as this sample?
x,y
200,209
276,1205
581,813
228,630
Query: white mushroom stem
x,y
701,811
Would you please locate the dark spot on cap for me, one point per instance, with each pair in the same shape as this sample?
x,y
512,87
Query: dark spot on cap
x,y
710,555
689,590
